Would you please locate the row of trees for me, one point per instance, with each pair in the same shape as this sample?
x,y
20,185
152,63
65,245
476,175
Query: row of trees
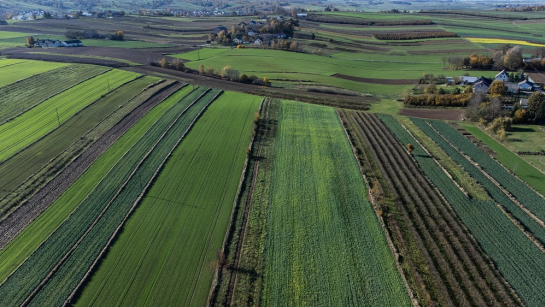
x,y
504,57
413,35
448,100
227,72
75,34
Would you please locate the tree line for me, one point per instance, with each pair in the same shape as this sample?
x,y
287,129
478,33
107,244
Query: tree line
x,y
503,57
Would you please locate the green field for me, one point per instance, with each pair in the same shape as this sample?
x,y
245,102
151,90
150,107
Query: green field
x,y
23,95
275,64
31,159
516,164
29,239
75,244
167,251
518,259
24,69
50,114
325,246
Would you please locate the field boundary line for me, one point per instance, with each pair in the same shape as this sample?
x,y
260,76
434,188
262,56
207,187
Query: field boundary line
x,y
145,189
102,179
52,95
82,109
37,190
373,201
97,219
515,220
230,227
10,211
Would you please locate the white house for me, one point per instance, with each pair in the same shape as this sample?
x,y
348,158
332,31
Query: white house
x,y
502,76
238,41
481,87
258,42
252,33
524,103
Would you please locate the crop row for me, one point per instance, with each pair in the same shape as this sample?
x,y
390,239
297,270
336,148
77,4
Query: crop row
x,y
76,266
182,219
21,96
530,199
31,159
327,246
520,261
489,186
48,115
28,240
413,35
456,269
51,252
24,69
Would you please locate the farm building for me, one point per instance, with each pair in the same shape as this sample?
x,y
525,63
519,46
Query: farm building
x,y
72,43
45,43
465,80
526,85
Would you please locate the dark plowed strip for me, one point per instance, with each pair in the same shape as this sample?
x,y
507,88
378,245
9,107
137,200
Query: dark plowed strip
x,y
377,81
31,209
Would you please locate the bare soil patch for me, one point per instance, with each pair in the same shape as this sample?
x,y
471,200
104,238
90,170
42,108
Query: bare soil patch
x,y
378,81
142,56
443,114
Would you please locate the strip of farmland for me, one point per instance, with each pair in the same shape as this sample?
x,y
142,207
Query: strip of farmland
x,y
65,256
167,251
16,170
47,116
533,201
25,69
497,194
107,133
21,96
35,233
445,267
519,260
245,242
325,245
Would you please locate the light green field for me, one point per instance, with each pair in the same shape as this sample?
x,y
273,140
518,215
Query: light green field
x,y
47,116
167,252
516,164
325,245
275,64
31,237
5,34
24,69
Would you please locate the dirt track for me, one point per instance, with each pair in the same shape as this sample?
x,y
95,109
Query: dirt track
x,y
378,81
32,208
444,114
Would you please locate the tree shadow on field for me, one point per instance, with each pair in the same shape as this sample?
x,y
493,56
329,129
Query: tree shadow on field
x,y
424,156
250,272
521,129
